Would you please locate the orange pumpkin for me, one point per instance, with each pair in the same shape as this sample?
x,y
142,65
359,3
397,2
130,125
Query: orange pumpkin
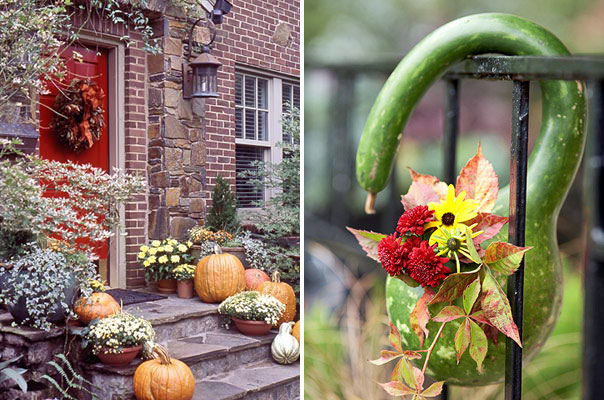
x,y
98,305
219,276
163,378
284,293
296,331
254,277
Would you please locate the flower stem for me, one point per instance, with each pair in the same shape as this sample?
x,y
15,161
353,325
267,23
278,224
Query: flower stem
x,y
431,348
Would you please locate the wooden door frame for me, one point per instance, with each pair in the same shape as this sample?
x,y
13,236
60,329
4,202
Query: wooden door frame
x,y
116,130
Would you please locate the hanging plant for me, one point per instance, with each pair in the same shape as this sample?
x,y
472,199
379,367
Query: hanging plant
x,y
78,118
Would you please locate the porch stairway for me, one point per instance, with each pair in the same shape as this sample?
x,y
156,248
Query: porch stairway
x,y
226,364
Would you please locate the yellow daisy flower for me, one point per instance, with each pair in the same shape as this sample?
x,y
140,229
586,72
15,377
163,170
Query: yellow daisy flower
x,y
175,259
452,211
168,248
182,248
163,259
142,254
452,242
146,263
155,243
151,259
144,248
152,251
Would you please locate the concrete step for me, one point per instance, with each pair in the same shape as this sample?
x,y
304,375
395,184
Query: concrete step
x,y
175,318
265,381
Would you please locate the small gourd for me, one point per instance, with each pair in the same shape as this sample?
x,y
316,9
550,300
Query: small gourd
x,y
285,348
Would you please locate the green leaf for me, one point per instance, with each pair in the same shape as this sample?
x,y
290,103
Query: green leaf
x,y
434,390
448,314
386,356
478,345
462,339
368,241
409,281
503,257
16,377
453,287
471,249
470,295
497,309
420,316
408,374
395,388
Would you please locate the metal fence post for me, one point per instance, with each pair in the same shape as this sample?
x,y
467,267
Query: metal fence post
x,y
515,285
593,325
451,127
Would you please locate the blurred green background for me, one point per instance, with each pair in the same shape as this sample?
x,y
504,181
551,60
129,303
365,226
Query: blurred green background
x,y
351,46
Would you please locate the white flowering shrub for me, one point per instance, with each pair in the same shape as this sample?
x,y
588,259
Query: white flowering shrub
x,y
84,204
253,306
116,332
42,279
160,258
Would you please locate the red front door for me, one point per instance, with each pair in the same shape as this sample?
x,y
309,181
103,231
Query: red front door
x,y
93,67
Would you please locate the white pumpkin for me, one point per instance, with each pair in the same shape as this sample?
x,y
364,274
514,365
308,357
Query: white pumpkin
x,y
285,348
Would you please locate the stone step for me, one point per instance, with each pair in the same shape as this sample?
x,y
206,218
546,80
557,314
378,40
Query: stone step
x,y
175,318
265,381
211,356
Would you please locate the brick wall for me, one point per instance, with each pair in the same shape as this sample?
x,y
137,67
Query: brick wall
x,y
246,38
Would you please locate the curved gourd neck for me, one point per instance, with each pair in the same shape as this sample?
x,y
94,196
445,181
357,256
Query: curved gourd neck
x,y
558,150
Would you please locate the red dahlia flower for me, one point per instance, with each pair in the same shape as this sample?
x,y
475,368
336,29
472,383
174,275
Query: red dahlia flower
x,y
425,267
390,254
413,220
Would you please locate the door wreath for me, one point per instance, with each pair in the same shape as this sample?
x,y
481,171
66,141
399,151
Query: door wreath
x,y
78,119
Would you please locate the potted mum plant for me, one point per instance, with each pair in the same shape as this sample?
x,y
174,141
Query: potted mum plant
x,y
160,258
117,339
252,312
184,274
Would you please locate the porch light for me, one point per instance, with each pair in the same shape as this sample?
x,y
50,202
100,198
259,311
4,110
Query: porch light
x,y
200,77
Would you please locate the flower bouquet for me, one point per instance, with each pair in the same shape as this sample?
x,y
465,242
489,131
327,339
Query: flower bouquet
x,y
444,244
161,257
117,339
252,312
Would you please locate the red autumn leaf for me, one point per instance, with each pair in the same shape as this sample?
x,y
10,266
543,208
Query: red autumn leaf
x,y
419,194
434,390
411,355
503,257
405,372
420,316
440,188
453,286
419,377
490,224
386,356
470,295
462,339
368,241
479,316
395,388
491,332
448,314
497,309
478,345
395,338
479,180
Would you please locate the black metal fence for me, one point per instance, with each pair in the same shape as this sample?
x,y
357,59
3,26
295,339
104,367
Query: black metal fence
x,y
521,70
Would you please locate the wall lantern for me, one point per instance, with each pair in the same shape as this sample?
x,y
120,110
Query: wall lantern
x,y
200,77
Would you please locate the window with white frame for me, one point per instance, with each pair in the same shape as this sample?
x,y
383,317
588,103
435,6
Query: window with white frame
x,y
257,126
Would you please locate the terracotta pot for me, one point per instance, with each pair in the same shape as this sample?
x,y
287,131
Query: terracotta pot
x,y
238,252
253,328
166,286
184,289
124,358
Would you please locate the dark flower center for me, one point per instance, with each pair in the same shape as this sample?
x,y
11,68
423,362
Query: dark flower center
x,y
448,218
453,244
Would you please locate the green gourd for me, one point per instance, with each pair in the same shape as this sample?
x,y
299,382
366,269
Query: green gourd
x,y
552,167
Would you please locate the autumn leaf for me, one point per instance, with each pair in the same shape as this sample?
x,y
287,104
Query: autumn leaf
x,y
471,248
479,180
478,345
395,338
386,357
396,388
497,309
479,316
470,295
453,286
440,188
434,390
419,194
368,241
503,257
489,224
420,316
462,338
448,314
411,355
